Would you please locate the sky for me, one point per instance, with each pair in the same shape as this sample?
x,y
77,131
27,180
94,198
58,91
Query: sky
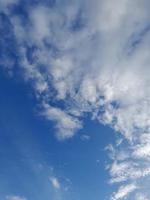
x,y
74,100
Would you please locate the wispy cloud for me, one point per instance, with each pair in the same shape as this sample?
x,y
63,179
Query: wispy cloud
x,y
85,137
12,197
141,197
55,183
5,3
123,192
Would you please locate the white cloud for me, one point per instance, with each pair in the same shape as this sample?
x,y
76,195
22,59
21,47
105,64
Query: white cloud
x,y
141,197
126,170
55,183
92,79
11,197
124,191
85,137
100,67
66,124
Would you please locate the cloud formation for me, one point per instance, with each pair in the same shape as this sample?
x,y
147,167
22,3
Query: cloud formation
x,y
123,191
15,198
55,183
91,57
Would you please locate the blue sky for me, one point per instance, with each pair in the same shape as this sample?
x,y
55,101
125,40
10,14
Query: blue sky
x,y
74,100
30,153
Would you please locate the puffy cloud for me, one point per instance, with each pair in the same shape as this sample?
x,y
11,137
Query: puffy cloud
x,y
66,124
92,57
